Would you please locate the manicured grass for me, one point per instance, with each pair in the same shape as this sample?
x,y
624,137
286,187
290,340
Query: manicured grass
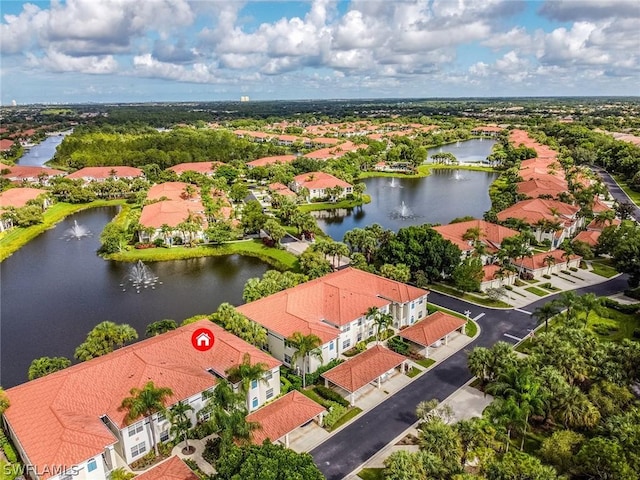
x,y
15,238
615,327
471,328
425,362
602,269
424,170
351,413
537,291
414,372
310,393
635,196
280,259
310,207
487,302
371,474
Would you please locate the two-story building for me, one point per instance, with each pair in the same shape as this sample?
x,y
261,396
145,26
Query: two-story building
x,y
100,174
333,307
318,183
15,198
70,424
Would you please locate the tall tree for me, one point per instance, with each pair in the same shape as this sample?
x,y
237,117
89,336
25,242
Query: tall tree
x,y
104,338
45,365
159,327
146,402
246,373
180,422
546,312
305,346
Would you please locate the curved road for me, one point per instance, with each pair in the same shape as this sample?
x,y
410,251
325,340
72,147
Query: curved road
x,y
355,444
616,191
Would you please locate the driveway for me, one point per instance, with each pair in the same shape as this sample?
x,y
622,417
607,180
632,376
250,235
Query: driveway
x,y
616,191
355,444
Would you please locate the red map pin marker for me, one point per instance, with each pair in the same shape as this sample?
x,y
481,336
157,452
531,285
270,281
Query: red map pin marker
x,y
202,339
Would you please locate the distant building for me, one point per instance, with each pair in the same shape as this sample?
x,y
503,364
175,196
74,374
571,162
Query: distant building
x,y
244,98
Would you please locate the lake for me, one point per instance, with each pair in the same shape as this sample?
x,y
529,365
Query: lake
x,y
41,153
438,198
469,151
54,290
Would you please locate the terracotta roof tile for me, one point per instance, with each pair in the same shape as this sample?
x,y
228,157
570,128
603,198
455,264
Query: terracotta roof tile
x,y
364,368
170,190
264,161
106,172
26,172
283,416
172,469
199,167
537,209
537,261
432,328
490,233
319,181
69,404
18,197
590,237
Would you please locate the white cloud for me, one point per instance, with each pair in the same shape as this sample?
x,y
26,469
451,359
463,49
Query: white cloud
x,y
576,10
19,33
147,66
55,61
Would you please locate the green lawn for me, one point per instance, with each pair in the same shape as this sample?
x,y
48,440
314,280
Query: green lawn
x,y
425,362
351,413
537,291
616,327
280,259
414,372
12,240
310,207
371,474
487,302
635,196
471,329
602,269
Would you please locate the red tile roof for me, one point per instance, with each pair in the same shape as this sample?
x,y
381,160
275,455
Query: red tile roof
x,y
590,237
26,172
18,197
533,210
172,469
599,206
283,415
537,261
5,145
199,167
319,181
489,272
432,328
101,173
601,225
264,161
68,404
364,368
543,186
281,189
170,190
319,305
171,212
490,233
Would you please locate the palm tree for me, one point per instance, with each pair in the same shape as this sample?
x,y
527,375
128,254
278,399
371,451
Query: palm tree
x,y
549,261
246,374
545,313
590,302
381,320
305,346
523,387
4,401
570,302
144,403
180,422
575,410
479,362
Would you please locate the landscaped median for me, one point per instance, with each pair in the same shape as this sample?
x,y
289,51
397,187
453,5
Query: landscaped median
x,y
280,259
12,240
469,297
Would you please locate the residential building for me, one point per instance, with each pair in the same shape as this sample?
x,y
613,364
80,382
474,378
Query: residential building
x,y
545,263
333,307
100,174
70,424
433,331
18,198
29,174
317,184
489,237
266,161
205,168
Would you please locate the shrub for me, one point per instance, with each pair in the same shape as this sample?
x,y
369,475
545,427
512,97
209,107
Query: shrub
x,y
144,462
548,277
620,307
313,377
332,395
212,450
398,345
201,430
526,276
158,242
636,333
336,411
508,287
573,269
604,328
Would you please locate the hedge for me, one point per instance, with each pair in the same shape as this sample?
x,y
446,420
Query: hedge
x,y
332,395
313,377
336,412
623,308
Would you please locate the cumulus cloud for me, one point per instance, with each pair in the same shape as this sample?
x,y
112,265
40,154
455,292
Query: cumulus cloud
x,y
582,10
147,66
55,61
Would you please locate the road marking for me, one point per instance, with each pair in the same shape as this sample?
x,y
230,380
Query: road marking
x,y
513,337
479,316
523,311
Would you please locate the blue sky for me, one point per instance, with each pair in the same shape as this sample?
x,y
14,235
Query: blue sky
x,y
72,51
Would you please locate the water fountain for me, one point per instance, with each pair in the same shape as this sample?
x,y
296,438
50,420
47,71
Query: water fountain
x,y
394,184
457,177
140,276
77,232
402,212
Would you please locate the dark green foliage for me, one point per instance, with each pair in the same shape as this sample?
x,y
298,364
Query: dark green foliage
x,y
266,462
332,395
398,345
45,365
312,378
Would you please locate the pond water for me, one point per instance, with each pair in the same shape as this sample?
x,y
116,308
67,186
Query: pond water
x,y
41,153
56,289
400,202
469,151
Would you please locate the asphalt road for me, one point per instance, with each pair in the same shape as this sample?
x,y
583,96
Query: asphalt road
x,y
355,444
616,191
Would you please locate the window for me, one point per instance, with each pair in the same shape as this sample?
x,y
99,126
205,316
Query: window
x,y
412,319
136,428
254,384
268,376
331,347
346,328
413,305
359,337
139,449
91,465
346,344
359,321
287,359
161,417
269,393
288,344
164,436
254,402
420,301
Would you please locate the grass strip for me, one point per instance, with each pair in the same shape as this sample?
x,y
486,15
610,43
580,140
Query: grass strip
x,y
537,291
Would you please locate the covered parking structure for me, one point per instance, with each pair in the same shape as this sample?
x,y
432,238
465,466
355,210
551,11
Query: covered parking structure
x,y
284,415
374,365
433,331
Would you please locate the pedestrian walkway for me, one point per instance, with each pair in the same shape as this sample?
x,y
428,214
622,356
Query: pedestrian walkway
x,y
197,455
